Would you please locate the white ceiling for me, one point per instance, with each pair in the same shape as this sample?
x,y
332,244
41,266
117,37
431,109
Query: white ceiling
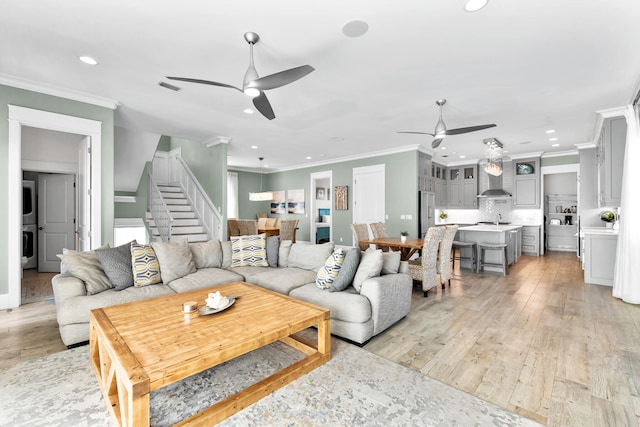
x,y
525,66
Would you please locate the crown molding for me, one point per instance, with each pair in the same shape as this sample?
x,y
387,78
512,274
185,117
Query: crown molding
x,y
526,155
22,83
584,145
217,141
560,153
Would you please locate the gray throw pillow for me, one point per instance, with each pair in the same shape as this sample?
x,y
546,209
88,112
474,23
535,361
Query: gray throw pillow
x,y
206,254
116,263
86,267
347,272
227,250
309,256
370,266
273,247
175,260
283,253
390,262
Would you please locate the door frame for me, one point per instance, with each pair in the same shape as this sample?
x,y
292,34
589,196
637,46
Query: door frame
x,y
21,116
312,206
357,173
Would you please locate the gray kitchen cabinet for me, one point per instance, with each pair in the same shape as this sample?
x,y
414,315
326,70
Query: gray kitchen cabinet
x,y
462,187
611,146
438,177
425,183
599,257
588,179
526,184
530,240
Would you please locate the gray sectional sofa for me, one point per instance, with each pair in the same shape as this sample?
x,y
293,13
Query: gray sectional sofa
x,y
381,299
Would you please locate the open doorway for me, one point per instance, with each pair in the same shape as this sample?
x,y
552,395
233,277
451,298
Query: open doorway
x,y
321,212
20,119
560,189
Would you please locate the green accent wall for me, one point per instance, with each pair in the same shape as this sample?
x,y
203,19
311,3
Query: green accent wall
x,y
139,208
560,160
54,104
401,193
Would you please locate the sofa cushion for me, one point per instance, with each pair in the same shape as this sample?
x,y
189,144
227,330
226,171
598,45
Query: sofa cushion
x,y
273,247
309,256
390,262
370,266
328,273
283,280
87,267
76,309
175,259
146,269
116,263
348,305
249,251
204,278
226,253
348,270
206,254
283,253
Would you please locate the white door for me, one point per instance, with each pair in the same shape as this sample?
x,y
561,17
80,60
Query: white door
x,y
56,211
368,195
83,226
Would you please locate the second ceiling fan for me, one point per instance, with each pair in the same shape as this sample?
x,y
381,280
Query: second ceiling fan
x,y
441,129
254,85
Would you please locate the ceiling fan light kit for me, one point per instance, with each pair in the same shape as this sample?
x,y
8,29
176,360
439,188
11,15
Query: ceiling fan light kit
x,y
253,85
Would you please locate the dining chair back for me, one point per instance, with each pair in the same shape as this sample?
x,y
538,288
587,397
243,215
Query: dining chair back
x,y
271,222
360,232
444,256
425,269
379,230
288,229
248,227
262,222
232,228
261,215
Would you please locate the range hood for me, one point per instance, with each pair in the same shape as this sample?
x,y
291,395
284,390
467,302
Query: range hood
x,y
495,190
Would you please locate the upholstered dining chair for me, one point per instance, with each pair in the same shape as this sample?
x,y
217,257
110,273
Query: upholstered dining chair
x,y
262,222
288,229
248,227
271,222
261,215
425,269
232,228
379,230
444,256
360,232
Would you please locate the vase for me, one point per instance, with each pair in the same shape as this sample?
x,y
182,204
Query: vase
x,y
403,239
609,225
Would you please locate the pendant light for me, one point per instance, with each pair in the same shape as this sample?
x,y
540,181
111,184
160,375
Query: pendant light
x,y
262,196
494,157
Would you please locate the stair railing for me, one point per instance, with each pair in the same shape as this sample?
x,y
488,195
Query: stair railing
x,y
211,218
159,211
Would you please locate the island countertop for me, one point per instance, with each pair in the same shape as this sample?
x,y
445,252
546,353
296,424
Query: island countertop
x,y
500,228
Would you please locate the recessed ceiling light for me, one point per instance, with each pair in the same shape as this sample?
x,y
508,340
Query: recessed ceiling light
x,y
443,148
555,145
308,157
525,142
355,28
88,60
266,166
247,111
550,131
255,147
553,139
475,5
463,157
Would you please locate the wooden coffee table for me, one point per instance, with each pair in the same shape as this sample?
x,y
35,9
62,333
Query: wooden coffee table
x,y
139,347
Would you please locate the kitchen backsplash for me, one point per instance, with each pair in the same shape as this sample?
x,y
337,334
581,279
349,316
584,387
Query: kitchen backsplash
x,y
488,210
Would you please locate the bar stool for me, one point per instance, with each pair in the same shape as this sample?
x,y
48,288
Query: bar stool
x,y
502,247
464,245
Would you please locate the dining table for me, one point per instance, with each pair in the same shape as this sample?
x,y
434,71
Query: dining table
x,y
407,248
269,230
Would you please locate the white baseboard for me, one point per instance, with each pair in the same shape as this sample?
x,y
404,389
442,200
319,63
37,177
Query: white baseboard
x,y
4,301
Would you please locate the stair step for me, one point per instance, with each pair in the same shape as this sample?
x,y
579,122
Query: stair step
x,y
179,222
183,215
179,208
170,189
190,238
170,202
171,195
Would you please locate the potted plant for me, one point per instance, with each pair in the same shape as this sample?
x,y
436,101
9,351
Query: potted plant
x,y
443,216
608,217
403,236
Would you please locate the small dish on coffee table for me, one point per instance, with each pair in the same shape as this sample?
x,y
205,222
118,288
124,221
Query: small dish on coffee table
x,y
208,310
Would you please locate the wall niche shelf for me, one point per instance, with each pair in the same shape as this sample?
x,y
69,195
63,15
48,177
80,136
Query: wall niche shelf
x,y
561,225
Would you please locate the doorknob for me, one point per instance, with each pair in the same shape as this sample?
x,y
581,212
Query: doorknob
x,y
40,228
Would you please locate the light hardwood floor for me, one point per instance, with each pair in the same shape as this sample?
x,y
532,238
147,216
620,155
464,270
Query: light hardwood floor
x,y
538,342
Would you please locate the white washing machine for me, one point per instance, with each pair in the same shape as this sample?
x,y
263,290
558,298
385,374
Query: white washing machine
x,y
30,245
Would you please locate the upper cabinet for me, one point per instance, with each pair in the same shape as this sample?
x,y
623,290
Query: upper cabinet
x,y
610,156
439,182
462,187
526,183
425,183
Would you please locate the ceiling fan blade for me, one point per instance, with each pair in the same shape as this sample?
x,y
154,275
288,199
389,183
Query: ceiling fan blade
x,y
205,82
436,142
458,131
262,104
417,133
282,78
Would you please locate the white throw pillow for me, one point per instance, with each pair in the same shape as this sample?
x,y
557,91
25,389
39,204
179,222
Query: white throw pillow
x,y
391,262
175,259
370,266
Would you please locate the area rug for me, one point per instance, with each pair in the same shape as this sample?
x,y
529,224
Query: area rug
x,y
355,388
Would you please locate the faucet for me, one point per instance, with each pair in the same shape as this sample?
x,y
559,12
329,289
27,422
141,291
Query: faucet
x,y
498,218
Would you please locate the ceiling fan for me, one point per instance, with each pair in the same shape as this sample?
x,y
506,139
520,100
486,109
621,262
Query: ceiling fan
x,y
253,85
441,129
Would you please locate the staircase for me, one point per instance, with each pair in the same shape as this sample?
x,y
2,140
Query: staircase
x,y
186,224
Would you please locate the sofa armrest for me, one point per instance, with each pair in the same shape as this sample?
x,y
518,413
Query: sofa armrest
x,y
66,286
390,298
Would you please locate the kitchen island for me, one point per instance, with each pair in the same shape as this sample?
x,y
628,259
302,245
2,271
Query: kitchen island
x,y
492,233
